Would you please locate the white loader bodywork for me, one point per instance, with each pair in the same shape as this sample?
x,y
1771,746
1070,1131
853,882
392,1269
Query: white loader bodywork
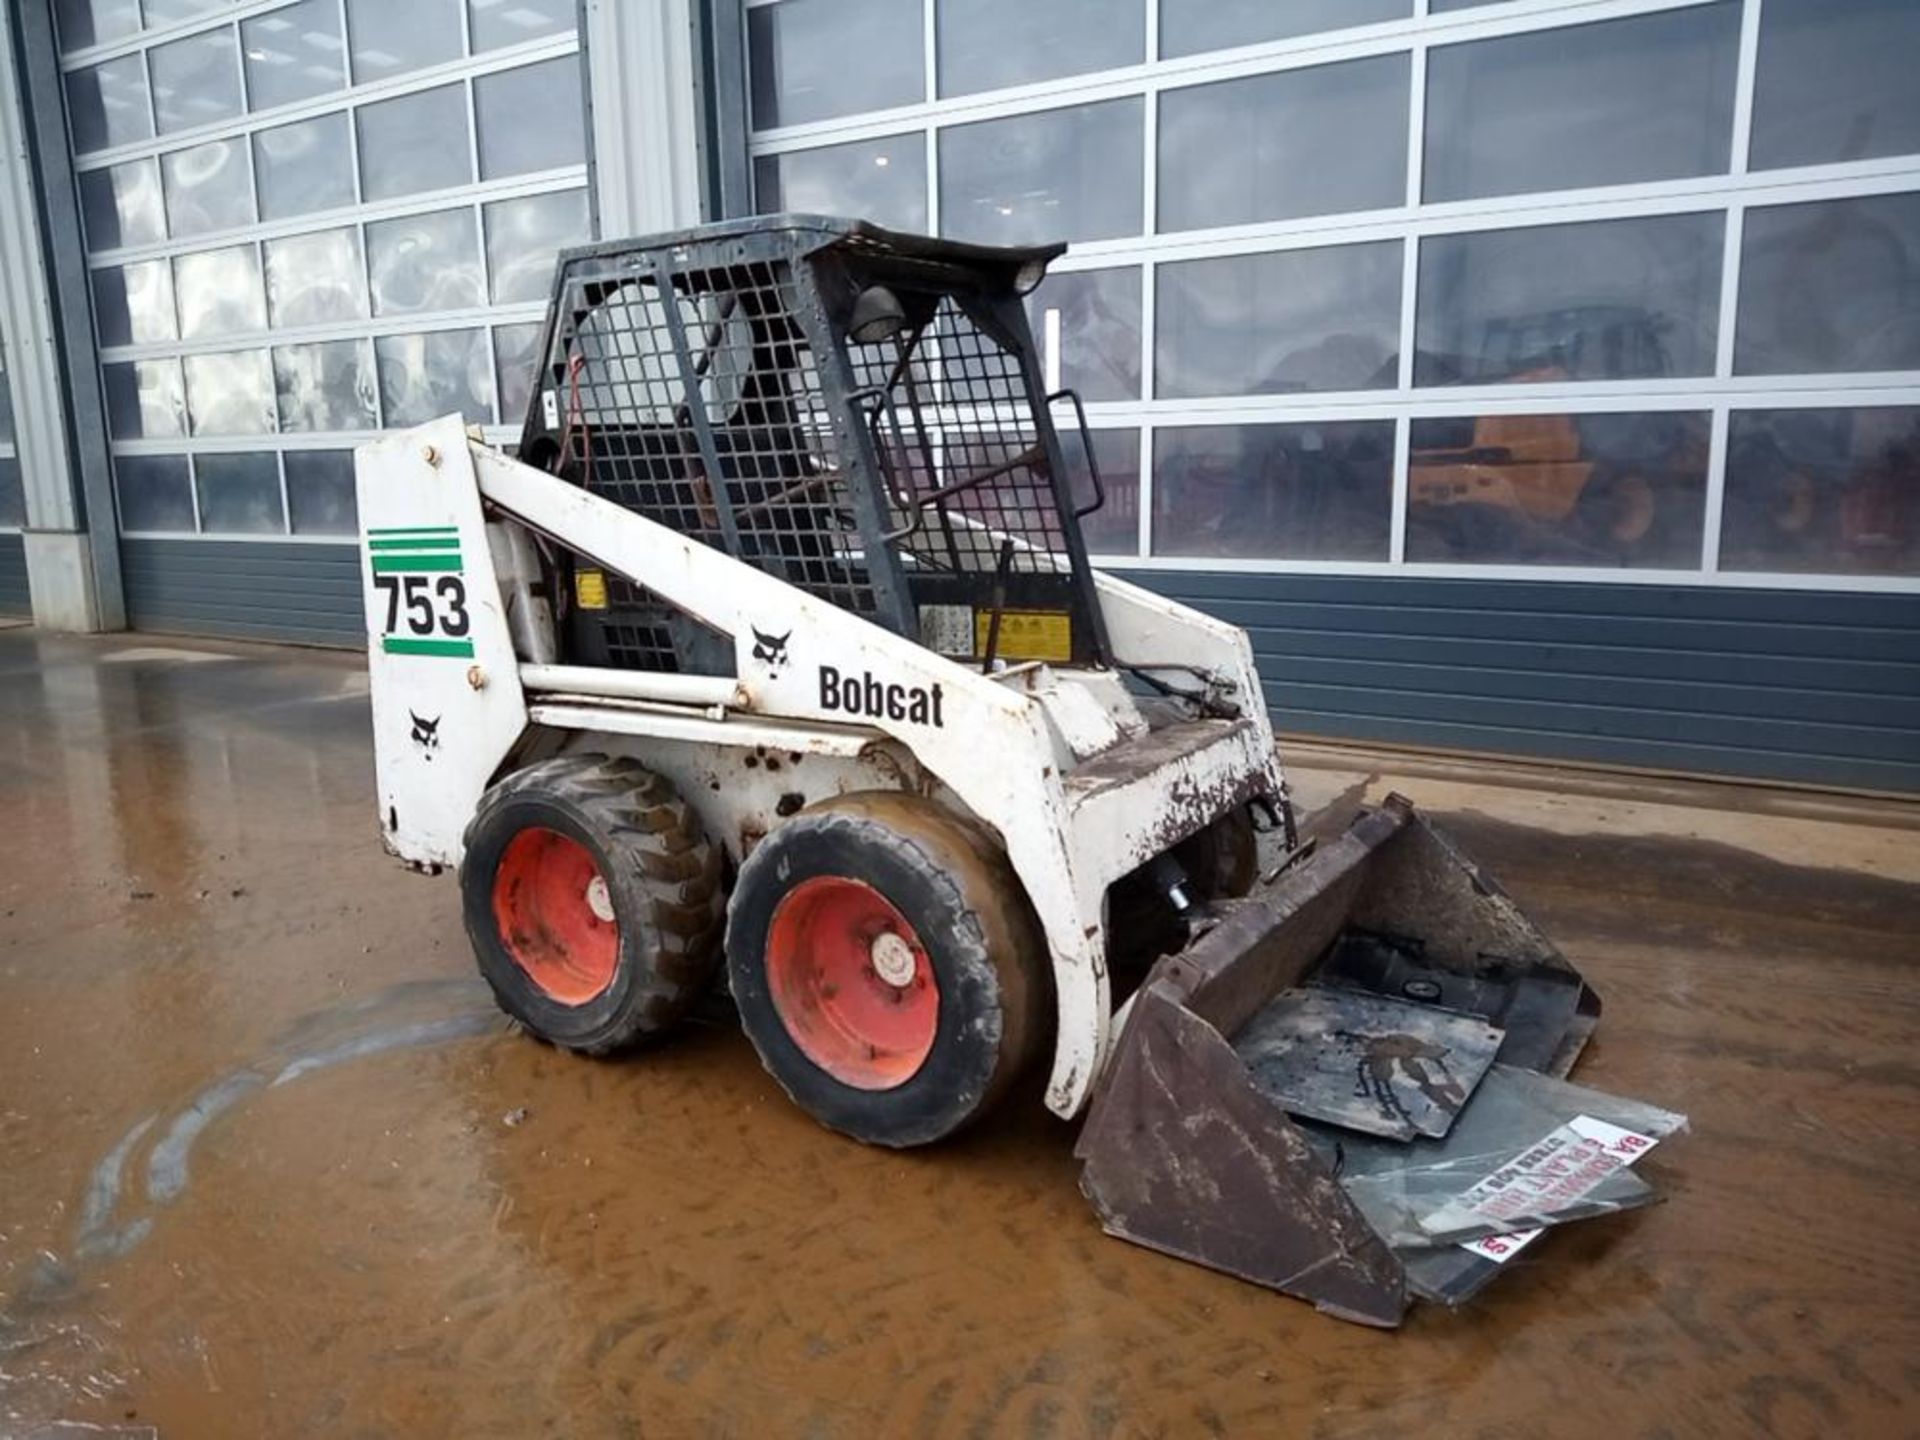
x,y
1059,762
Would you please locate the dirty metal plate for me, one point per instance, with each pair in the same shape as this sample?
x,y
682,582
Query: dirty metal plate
x,y
1538,1005
1367,1062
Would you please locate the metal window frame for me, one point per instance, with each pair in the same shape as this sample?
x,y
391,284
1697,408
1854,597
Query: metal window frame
x,y
1730,194
347,100
353,97
720,91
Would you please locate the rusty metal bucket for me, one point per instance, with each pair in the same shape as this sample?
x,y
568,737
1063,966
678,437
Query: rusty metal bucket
x,y
1355,1006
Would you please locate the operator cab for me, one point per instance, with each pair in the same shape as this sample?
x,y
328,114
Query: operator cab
x,y
855,411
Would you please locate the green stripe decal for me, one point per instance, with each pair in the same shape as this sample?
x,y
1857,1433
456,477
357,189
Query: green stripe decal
x,y
414,530
401,645
402,564
417,542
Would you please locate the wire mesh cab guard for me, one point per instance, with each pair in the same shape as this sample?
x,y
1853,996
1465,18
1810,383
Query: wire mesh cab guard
x,y
857,411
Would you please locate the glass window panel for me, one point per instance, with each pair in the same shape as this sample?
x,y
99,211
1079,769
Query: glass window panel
x,y
884,181
523,236
304,167
1823,492
798,54
293,54
1070,174
94,22
531,118
13,495
1277,147
315,279
1189,26
497,23
423,377
166,12
239,494
320,492
1606,300
1590,490
425,262
207,188
328,386
6,400
196,81
1096,314
133,304
1830,286
389,39
988,44
123,205
1113,529
230,393
1835,81
1650,98
145,400
414,143
1274,492
219,292
1280,323
516,349
155,492
107,104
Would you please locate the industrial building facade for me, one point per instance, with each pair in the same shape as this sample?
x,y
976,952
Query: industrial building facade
x,y
1527,376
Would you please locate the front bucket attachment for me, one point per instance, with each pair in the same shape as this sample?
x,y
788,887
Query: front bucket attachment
x,y
1346,1058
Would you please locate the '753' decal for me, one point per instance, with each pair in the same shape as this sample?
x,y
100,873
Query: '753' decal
x,y
418,574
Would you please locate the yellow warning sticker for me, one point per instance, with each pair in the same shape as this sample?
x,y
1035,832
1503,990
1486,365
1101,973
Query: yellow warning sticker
x,y
1027,634
590,589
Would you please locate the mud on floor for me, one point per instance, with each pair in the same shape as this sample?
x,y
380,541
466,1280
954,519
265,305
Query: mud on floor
x,y
269,1164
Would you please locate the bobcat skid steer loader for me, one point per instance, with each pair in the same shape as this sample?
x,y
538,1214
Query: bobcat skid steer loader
x,y
777,646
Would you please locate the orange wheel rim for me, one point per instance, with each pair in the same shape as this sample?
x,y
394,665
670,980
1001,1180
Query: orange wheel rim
x,y
852,983
555,915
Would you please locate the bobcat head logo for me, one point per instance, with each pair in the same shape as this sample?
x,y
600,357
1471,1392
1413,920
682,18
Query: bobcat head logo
x,y
770,650
426,733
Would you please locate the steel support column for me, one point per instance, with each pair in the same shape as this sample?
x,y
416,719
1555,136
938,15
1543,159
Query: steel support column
x,y
72,546
643,120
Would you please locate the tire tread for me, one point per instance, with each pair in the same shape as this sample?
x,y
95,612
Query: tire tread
x,y
680,870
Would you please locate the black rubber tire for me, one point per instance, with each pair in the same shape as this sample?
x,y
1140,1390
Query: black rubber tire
x,y
664,880
953,884
1221,862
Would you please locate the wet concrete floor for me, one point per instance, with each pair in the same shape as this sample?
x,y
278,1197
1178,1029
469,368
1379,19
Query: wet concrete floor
x,y
264,1168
